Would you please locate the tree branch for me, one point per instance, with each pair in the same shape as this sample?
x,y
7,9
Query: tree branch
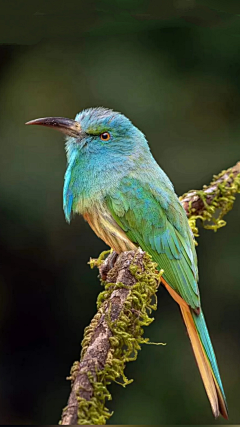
x,y
193,199
114,335
131,281
214,201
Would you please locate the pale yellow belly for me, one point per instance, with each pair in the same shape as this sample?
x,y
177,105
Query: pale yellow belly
x,y
105,227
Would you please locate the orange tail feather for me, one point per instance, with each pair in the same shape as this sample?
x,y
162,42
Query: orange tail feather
x,y
202,361
211,386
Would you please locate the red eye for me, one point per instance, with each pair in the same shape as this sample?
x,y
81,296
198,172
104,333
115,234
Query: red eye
x,y
105,136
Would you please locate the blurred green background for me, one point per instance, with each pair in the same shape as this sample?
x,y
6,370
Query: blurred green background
x,y
173,68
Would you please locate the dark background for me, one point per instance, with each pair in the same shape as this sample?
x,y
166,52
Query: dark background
x,y
174,69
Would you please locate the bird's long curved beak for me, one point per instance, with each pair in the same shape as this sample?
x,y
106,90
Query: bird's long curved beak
x,y
68,126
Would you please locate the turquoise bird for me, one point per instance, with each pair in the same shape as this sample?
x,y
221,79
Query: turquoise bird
x,y
113,180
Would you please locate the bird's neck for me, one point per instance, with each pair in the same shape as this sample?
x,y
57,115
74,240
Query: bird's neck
x,y
91,176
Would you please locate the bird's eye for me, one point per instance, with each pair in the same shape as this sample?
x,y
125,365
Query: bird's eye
x,y
105,136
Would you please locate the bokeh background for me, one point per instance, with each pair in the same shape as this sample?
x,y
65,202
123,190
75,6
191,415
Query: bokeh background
x,y
173,67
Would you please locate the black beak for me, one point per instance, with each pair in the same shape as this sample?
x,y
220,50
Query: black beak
x,y
67,126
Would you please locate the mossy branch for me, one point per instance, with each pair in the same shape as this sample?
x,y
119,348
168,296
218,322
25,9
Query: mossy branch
x,y
214,201
114,335
131,281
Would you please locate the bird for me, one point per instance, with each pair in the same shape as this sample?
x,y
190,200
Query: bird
x,y
114,182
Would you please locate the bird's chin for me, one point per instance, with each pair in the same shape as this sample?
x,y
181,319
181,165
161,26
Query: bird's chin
x,y
72,143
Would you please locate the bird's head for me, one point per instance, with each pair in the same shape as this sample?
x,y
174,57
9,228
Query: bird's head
x,y
103,147
98,131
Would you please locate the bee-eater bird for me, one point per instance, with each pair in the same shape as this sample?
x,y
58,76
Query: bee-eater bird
x,y
113,180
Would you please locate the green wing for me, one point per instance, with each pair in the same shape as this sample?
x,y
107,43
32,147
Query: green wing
x,y
153,218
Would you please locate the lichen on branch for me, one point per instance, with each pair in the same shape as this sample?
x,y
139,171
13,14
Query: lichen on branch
x,y
214,201
114,335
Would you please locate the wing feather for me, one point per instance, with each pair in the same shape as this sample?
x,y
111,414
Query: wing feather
x,y
160,228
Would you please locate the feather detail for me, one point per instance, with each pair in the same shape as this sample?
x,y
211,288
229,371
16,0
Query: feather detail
x,y
203,364
105,227
204,354
163,233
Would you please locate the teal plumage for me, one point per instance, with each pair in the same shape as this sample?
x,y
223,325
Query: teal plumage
x,y
113,180
163,232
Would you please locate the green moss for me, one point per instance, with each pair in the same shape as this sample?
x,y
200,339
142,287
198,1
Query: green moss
x,y
222,199
127,337
97,262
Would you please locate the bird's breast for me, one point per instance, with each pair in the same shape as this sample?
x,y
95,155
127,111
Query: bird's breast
x,y
105,227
